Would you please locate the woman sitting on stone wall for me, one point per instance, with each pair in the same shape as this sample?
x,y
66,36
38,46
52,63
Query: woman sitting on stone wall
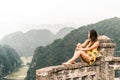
x,y
87,51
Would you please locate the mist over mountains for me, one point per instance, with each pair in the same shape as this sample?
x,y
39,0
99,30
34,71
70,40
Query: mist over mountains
x,y
25,43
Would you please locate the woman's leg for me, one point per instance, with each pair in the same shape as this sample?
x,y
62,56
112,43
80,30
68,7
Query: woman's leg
x,y
77,48
73,59
85,57
78,54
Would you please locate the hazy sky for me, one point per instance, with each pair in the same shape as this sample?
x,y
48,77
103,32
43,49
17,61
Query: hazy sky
x,y
23,15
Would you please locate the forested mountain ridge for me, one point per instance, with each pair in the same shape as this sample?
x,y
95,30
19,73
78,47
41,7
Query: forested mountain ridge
x,y
62,49
25,43
9,60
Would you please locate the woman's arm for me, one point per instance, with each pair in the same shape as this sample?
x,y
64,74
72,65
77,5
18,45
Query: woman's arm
x,y
79,45
85,43
95,45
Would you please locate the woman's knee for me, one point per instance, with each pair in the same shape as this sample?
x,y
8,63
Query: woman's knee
x,y
79,44
80,51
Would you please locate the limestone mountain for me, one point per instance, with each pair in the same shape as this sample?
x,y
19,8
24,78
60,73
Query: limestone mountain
x,y
25,43
62,49
63,32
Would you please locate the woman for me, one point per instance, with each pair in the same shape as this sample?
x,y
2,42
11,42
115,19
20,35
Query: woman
x,y
86,50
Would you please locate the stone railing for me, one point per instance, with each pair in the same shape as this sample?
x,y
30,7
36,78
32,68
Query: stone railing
x,y
69,72
103,69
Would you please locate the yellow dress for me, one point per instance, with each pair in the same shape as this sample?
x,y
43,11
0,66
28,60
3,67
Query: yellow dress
x,y
93,54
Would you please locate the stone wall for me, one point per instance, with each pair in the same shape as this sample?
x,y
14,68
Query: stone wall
x,y
103,69
69,72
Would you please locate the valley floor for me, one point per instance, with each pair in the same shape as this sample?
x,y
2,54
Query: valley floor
x,y
20,74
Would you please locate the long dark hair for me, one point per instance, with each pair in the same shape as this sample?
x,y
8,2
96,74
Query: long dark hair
x,y
93,35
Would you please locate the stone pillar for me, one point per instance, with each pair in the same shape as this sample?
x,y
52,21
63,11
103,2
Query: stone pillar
x,y
107,48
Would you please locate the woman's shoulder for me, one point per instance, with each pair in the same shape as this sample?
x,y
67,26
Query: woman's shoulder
x,y
88,40
97,42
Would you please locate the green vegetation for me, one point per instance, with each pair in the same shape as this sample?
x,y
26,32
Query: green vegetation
x,y
62,49
9,60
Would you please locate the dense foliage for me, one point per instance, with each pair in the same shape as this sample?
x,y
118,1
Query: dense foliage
x,y
9,60
62,49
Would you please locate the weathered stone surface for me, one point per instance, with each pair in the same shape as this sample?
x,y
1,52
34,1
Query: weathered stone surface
x,y
102,69
104,39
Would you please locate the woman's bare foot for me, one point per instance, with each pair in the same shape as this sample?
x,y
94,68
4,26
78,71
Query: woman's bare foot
x,y
74,62
66,63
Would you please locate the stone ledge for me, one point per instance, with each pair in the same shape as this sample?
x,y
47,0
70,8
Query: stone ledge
x,y
107,45
111,58
54,69
116,59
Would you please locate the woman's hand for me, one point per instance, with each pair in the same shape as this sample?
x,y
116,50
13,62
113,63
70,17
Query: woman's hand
x,y
79,46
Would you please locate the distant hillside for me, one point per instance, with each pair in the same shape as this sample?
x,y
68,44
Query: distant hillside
x,y
63,32
9,60
25,43
62,49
